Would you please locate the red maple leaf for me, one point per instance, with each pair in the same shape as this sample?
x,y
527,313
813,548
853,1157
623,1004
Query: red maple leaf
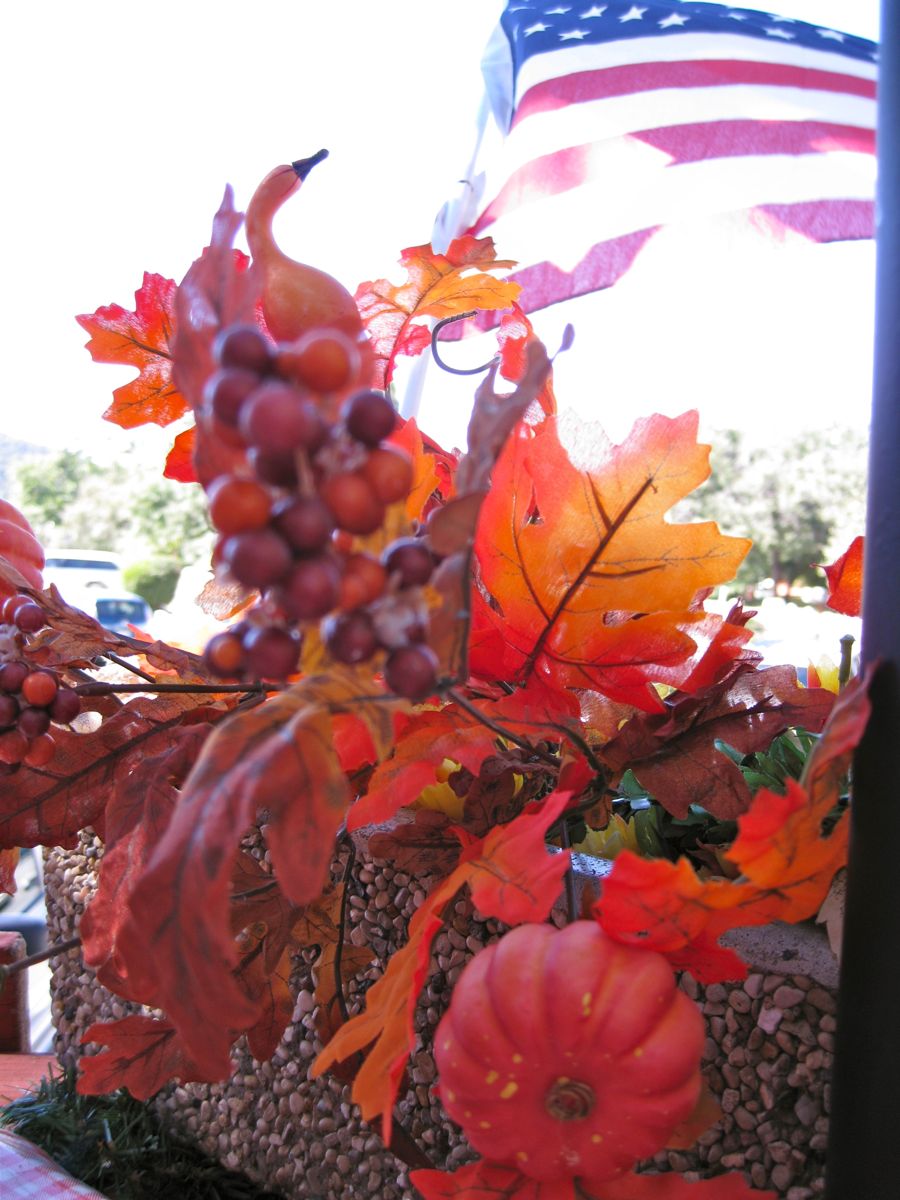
x,y
143,339
144,1054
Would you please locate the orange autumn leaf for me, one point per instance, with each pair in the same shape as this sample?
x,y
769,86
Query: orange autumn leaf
x,y
512,878
141,339
788,849
180,459
279,758
589,584
845,579
437,285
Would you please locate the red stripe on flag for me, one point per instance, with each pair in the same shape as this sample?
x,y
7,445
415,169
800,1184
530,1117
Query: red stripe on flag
x,y
582,86
551,174
606,262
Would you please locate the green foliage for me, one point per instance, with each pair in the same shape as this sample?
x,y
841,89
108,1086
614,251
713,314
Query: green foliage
x,y
799,500
155,579
117,1145
124,506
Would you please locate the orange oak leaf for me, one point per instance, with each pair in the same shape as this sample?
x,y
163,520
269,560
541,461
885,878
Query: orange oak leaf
x,y
590,585
845,579
9,860
50,805
268,987
452,526
511,878
180,459
136,816
437,285
788,849
276,760
143,339
484,1180
256,899
674,753
144,1054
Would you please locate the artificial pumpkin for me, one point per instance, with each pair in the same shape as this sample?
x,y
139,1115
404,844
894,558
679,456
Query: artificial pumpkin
x,y
564,1053
20,547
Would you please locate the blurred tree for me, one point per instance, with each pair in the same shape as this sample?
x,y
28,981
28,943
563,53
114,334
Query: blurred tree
x,y
801,501
124,507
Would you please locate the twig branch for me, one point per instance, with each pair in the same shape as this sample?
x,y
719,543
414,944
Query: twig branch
x,y
111,689
23,964
570,874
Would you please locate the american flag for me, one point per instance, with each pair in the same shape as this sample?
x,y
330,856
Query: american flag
x,y
621,119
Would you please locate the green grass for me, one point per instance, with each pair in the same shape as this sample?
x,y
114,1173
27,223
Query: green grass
x,y
117,1145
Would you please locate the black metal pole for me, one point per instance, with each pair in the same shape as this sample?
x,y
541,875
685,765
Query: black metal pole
x,y
864,1139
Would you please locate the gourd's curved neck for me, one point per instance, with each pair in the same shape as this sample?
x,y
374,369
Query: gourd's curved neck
x,y
268,198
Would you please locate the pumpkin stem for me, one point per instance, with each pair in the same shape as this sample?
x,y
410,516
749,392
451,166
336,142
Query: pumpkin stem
x,y
570,1099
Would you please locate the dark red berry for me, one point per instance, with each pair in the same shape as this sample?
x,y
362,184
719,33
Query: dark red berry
x,y
33,722
30,617
276,467
409,561
11,606
369,417
243,346
258,558
12,676
66,707
411,671
9,711
277,418
306,522
350,637
13,746
226,391
313,588
271,653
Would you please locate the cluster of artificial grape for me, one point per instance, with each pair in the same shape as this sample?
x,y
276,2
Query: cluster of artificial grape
x,y
317,476
31,699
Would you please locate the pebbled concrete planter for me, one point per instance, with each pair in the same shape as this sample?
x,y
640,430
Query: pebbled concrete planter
x,y
767,1056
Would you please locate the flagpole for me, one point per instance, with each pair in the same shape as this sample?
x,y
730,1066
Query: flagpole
x,y
864,1142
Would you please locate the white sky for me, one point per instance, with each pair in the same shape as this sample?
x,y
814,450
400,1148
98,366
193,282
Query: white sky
x,y
122,124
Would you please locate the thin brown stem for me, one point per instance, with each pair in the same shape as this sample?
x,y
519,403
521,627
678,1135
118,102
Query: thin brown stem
x,y
123,662
498,729
23,964
566,840
111,689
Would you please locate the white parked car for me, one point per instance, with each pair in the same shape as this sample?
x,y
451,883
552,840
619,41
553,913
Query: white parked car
x,y
71,569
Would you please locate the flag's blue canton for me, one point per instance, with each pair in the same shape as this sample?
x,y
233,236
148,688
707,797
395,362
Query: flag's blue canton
x,y
536,26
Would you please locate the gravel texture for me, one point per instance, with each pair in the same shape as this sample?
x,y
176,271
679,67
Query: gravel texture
x,y
767,1056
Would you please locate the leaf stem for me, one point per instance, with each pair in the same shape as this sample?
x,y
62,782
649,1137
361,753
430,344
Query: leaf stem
x,y
495,727
446,366
111,689
23,964
123,662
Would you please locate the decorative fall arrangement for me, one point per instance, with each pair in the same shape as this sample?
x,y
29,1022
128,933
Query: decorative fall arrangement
x,y
478,653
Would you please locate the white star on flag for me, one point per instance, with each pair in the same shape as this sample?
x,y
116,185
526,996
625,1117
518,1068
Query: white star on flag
x,y
634,14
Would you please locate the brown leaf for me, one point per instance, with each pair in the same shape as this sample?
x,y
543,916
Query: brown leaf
x,y
674,754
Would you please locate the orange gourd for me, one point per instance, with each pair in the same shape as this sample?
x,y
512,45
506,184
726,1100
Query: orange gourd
x,y
295,297
564,1053
20,547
